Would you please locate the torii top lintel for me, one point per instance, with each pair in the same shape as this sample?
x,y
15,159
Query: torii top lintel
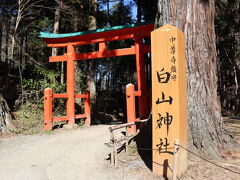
x,y
98,35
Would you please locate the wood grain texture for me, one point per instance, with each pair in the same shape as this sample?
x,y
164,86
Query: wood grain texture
x,y
169,98
207,133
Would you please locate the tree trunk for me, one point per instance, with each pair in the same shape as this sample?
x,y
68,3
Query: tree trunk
x,y
77,68
196,19
4,40
56,24
92,24
56,28
6,124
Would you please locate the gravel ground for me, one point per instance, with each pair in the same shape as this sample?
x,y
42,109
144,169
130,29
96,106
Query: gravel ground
x,y
76,154
68,154
80,154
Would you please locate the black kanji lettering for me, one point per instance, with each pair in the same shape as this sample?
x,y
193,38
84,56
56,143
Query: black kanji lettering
x,y
173,49
161,144
168,120
170,100
163,77
173,60
172,39
174,77
173,69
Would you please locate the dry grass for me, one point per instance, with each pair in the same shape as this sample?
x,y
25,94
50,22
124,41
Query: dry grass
x,y
29,120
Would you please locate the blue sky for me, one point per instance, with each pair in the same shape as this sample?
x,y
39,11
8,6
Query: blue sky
x,y
133,9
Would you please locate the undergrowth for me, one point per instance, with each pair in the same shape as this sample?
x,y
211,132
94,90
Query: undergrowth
x,y
29,119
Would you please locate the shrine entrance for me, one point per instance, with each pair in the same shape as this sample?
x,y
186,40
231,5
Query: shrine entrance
x,y
136,32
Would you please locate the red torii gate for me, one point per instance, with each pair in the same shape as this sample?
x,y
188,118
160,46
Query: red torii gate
x,y
134,31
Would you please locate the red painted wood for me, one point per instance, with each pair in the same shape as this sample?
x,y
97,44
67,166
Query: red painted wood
x,y
87,41
95,55
141,77
81,96
102,47
139,49
146,48
87,108
80,116
70,85
60,95
131,108
138,119
59,119
48,109
137,93
109,53
58,58
140,30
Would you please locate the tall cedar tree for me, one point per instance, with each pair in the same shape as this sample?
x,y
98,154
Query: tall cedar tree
x,y
196,19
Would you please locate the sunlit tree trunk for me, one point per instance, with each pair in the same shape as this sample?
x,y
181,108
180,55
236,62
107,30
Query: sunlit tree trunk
x,y
6,124
196,19
92,24
56,23
56,27
3,40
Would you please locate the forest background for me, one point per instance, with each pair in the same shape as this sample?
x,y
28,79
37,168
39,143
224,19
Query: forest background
x,y
25,70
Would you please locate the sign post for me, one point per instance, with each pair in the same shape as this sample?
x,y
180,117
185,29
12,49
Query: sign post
x,y
169,99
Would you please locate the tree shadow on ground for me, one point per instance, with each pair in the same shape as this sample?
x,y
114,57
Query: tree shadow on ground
x,y
144,140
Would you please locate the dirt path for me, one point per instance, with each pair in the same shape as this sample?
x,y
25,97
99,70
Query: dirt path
x,y
80,154
69,154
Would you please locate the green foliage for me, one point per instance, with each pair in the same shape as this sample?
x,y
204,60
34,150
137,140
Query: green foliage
x,y
80,77
41,78
29,119
44,24
121,14
227,25
147,9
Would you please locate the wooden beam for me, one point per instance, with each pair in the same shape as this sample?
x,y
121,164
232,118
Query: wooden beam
x,y
60,95
90,41
58,58
141,77
59,119
102,46
95,55
131,108
70,84
137,93
48,109
66,96
80,116
108,53
143,31
81,96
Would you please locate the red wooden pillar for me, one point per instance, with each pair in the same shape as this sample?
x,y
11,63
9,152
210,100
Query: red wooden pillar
x,y
141,79
70,85
87,108
48,100
131,109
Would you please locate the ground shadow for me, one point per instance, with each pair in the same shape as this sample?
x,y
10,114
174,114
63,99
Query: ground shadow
x,y
59,125
144,140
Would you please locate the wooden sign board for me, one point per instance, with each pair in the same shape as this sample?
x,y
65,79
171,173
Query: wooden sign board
x,y
169,99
